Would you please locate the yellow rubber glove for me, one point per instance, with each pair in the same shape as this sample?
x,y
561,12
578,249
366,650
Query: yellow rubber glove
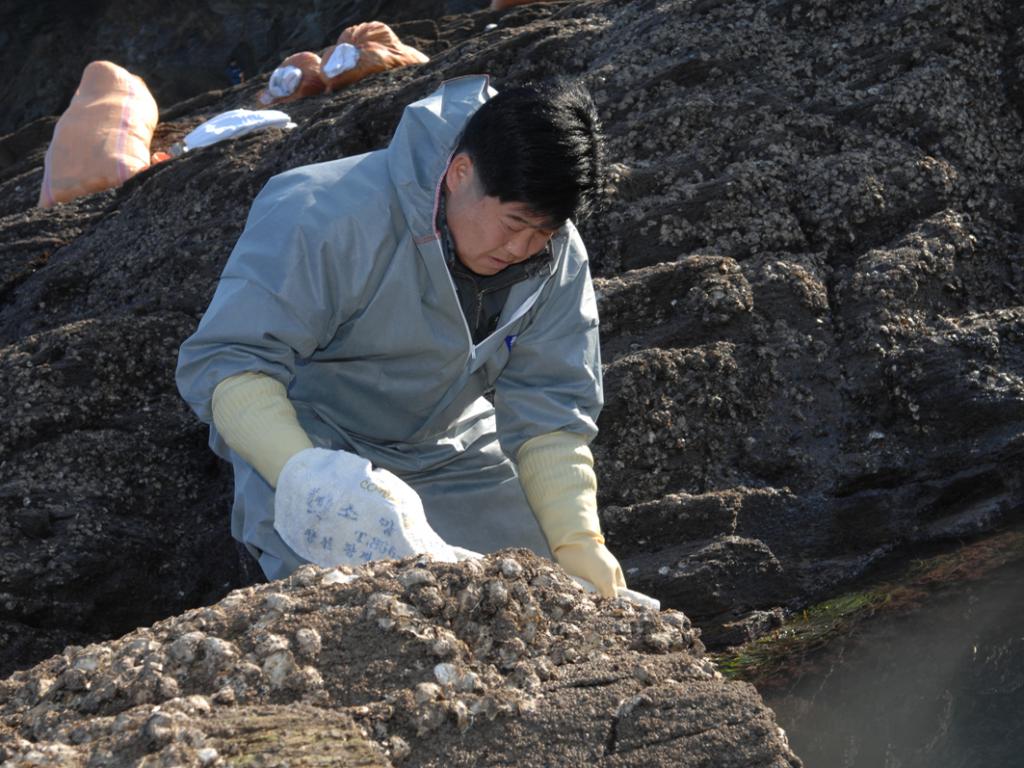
x,y
253,414
556,471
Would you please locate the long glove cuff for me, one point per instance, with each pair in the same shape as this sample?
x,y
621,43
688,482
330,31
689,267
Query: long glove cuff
x,y
556,471
254,416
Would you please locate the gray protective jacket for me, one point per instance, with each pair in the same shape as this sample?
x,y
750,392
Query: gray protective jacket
x,y
338,288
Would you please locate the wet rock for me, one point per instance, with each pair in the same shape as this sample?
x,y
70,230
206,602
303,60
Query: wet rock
x,y
745,628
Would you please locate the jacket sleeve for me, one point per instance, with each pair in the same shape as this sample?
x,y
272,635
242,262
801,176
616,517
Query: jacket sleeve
x,y
552,381
277,298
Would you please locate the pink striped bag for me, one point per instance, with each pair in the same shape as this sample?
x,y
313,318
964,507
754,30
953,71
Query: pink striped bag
x,y
103,137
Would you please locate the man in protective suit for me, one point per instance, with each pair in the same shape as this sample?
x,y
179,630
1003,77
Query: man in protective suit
x,y
373,301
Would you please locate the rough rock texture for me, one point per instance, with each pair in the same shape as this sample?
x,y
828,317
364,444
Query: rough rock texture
x,y
811,281
813,296
497,662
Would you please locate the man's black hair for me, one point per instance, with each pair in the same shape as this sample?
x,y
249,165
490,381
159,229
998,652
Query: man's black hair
x,y
541,145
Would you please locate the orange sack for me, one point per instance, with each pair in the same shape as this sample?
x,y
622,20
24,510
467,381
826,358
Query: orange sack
x,y
103,137
286,84
365,49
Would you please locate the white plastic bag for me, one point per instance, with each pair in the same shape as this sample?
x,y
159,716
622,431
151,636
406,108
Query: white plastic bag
x,y
284,81
343,58
332,508
235,122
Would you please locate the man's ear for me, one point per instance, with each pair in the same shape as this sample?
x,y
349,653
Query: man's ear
x,y
460,173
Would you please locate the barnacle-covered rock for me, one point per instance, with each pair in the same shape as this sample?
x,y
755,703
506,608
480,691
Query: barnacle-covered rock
x,y
432,687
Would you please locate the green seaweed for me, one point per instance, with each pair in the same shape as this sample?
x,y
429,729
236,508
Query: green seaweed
x,y
806,637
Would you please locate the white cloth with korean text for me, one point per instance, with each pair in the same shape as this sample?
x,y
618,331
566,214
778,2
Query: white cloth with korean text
x,y
333,508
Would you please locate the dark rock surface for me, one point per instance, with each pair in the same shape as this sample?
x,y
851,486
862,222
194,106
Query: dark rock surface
x,y
497,662
811,281
813,296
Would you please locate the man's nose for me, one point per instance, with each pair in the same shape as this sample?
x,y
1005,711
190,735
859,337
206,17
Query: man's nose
x,y
518,245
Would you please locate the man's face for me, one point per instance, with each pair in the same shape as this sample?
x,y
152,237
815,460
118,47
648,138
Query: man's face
x,y
489,235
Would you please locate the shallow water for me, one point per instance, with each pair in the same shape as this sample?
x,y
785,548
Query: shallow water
x,y
940,688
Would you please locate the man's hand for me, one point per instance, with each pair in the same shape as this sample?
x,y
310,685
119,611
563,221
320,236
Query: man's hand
x,y
333,508
586,556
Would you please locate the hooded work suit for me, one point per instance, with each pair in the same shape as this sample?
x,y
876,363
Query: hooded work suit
x,y
339,289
